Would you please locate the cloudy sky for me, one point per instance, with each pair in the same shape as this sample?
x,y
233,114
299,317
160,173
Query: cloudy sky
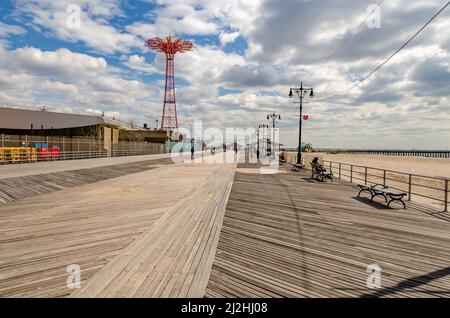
x,y
248,53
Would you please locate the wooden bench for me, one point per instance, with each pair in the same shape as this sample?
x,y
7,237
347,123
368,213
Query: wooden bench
x,y
297,167
366,188
320,173
385,192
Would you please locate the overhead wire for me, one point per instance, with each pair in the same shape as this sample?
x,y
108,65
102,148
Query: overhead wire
x,y
352,33
389,58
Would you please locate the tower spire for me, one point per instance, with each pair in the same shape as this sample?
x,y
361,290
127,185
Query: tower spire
x,y
170,47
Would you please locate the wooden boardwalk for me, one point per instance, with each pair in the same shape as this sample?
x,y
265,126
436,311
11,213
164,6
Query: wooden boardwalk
x,y
189,230
287,236
19,188
173,258
90,225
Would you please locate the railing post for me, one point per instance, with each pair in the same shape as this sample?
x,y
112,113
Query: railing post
x,y
339,170
27,151
384,178
48,147
351,173
365,175
409,187
446,196
330,165
3,148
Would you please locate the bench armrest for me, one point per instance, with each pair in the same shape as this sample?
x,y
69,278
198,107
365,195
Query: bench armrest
x,y
378,185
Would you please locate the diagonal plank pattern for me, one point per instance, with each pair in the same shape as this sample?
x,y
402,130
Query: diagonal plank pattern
x,y
174,257
287,236
86,225
20,188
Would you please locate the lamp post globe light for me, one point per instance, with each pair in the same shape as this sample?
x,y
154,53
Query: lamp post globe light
x,y
301,92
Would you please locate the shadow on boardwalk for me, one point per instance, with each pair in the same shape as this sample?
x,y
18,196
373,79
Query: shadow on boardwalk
x,y
413,283
284,235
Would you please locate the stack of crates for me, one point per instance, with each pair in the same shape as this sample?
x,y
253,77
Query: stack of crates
x,y
23,154
33,154
7,154
28,154
15,154
55,154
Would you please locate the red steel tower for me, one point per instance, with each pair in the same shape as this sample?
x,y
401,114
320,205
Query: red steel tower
x,y
170,47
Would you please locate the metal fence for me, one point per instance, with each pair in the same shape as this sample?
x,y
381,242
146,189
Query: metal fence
x,y
432,190
391,152
23,149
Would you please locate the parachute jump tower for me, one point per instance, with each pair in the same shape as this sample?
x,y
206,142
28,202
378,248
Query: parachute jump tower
x,y
170,47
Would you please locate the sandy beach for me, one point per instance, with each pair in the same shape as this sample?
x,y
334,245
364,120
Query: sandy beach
x,y
427,174
432,167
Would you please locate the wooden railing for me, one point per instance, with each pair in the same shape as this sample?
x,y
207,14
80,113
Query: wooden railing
x,y
432,190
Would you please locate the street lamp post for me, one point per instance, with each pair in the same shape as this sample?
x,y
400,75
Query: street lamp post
x,y
301,92
274,117
257,143
263,126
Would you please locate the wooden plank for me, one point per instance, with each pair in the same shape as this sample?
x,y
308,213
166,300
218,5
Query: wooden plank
x,y
20,188
174,257
189,230
86,225
289,236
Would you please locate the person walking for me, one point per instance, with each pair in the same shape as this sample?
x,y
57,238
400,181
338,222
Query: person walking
x,y
192,151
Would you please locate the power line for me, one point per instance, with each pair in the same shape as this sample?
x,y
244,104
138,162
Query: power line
x,y
352,33
344,43
390,57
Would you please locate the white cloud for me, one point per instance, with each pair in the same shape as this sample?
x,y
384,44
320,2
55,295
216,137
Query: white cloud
x,y
59,87
6,29
228,37
62,63
287,43
94,30
138,63
62,79
198,17
204,65
166,26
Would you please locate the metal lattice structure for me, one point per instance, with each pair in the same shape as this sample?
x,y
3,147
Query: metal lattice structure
x,y
170,47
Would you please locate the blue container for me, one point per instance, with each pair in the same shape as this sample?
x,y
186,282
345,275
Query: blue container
x,y
39,145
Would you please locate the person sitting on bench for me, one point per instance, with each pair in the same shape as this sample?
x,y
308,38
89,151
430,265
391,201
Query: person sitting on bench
x,y
320,173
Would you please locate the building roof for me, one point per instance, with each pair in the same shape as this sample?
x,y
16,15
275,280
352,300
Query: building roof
x,y
11,118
